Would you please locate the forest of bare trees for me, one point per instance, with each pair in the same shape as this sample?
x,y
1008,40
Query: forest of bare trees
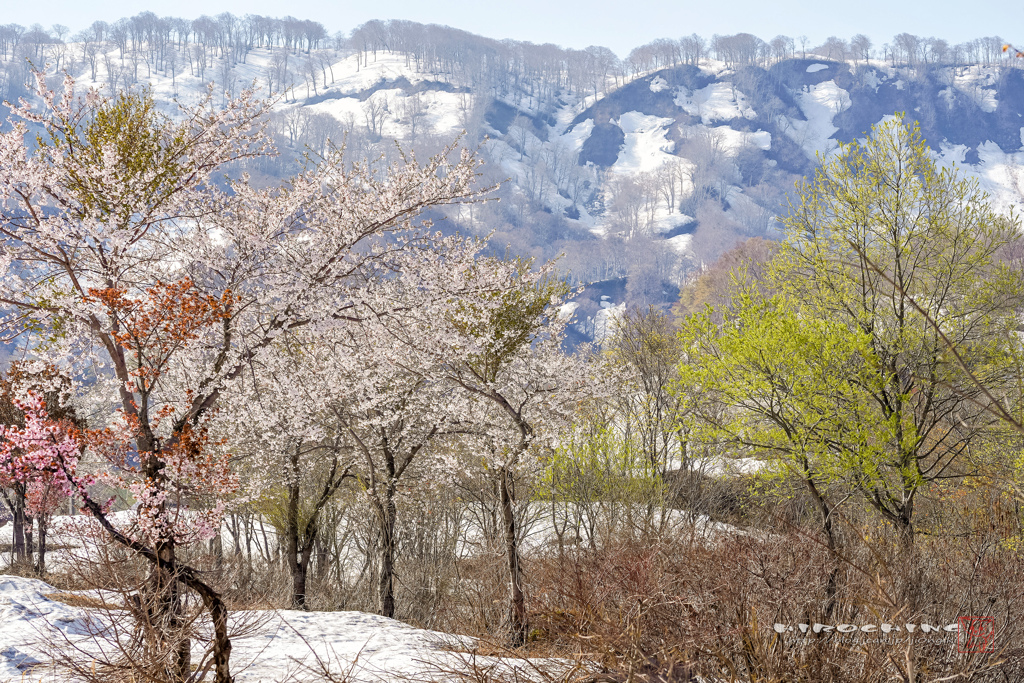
x,y
506,68
520,81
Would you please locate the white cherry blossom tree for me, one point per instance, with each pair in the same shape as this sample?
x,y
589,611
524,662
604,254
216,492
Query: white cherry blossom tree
x,y
125,250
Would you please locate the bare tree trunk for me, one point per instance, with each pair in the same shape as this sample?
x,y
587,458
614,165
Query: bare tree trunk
x,y
43,523
29,543
167,597
322,558
168,601
386,512
217,548
17,506
298,556
295,568
182,666
826,524
518,623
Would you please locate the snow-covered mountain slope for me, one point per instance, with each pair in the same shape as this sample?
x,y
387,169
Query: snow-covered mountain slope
x,y
637,179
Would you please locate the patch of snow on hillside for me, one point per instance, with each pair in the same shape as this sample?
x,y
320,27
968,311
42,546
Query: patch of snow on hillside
x,y
606,319
646,147
872,80
950,155
815,68
729,139
345,109
443,115
738,139
1001,175
578,135
680,243
820,105
717,102
972,81
986,99
946,94
658,84
352,76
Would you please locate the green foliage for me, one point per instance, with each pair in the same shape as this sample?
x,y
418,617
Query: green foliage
x,y
842,370
122,157
511,325
596,464
783,383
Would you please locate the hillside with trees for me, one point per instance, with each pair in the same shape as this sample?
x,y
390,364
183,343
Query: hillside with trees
x,y
641,170
288,401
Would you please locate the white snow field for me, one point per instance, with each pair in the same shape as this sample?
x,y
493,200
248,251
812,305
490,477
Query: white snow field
x,y
297,647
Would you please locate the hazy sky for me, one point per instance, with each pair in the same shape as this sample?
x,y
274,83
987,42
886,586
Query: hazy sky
x,y
574,23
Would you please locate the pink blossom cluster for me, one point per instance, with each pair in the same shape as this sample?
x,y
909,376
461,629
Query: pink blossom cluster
x,y
42,455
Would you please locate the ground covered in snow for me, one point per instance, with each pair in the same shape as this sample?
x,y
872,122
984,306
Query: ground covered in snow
x,y
279,646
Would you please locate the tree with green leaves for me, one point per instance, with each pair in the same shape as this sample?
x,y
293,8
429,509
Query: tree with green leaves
x,y
598,483
842,369
779,381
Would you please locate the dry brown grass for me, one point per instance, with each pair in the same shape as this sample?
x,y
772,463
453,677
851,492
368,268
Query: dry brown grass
x,y
76,600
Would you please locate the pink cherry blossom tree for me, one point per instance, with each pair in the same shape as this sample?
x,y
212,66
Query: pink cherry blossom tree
x,y
19,484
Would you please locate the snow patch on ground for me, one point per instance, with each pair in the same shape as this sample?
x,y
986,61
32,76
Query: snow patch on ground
x,y
438,114
972,81
815,68
999,174
872,80
606,319
351,75
731,140
716,102
285,645
646,147
680,243
658,84
578,135
819,105
986,99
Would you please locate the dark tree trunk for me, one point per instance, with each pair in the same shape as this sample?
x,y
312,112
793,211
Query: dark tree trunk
x,y
299,554
217,548
167,612
15,500
386,512
320,550
826,525
43,523
18,548
166,591
29,543
181,667
295,566
518,623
